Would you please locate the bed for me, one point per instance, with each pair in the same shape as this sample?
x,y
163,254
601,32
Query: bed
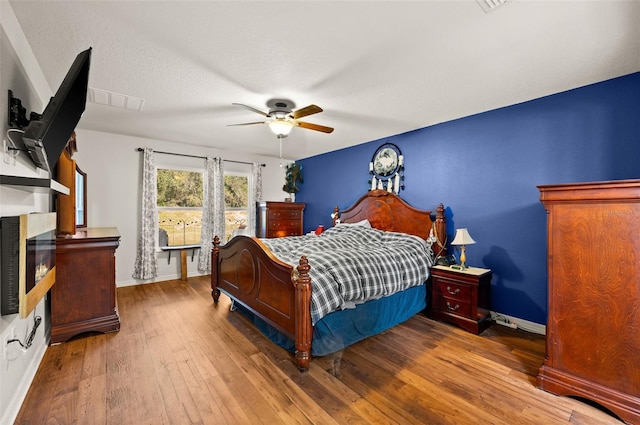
x,y
278,294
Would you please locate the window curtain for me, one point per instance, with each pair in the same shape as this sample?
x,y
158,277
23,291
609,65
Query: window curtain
x,y
146,265
255,195
212,211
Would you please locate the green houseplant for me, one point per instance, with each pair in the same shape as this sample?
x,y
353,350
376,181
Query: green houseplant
x,y
293,176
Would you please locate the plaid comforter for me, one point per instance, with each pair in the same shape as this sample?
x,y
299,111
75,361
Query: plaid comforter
x,y
354,264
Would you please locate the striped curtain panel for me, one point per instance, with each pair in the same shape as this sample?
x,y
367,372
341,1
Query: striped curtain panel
x,y
255,195
212,211
146,265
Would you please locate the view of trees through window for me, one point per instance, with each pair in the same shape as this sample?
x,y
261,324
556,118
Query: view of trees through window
x,y
180,205
236,203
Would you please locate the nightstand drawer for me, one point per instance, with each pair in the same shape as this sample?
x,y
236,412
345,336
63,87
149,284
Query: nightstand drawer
x,y
451,289
453,306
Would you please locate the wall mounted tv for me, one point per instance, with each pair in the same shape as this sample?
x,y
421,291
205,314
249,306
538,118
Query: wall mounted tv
x,y
45,138
28,258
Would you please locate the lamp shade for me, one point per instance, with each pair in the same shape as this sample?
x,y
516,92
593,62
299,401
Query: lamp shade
x,y
280,127
462,238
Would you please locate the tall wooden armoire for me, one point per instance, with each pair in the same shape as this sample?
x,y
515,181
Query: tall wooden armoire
x,y
593,327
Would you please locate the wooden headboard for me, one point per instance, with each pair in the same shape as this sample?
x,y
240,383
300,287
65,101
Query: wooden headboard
x,y
387,211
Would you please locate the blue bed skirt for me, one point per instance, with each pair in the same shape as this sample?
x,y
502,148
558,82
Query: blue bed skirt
x,y
342,328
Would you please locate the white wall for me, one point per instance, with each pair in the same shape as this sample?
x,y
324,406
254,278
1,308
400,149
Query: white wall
x,y
113,172
113,166
18,366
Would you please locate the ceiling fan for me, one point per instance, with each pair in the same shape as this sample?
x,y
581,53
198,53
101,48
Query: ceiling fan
x,y
282,118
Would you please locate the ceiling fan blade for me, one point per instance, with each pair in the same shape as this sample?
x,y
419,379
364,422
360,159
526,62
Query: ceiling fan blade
x,y
315,127
246,123
257,111
306,111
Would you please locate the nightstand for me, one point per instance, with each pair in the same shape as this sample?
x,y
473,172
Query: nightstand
x,y
461,297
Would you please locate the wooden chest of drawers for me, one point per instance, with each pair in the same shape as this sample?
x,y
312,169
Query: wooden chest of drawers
x,y
461,297
593,328
83,298
278,219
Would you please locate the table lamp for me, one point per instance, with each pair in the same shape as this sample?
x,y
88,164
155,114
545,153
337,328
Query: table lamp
x,y
462,238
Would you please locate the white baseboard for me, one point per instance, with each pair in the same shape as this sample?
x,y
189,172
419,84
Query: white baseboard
x,y
10,415
134,282
517,323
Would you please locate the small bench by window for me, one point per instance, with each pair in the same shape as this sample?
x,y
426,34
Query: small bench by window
x,y
183,256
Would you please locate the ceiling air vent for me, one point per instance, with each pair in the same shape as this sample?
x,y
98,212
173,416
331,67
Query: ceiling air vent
x,y
116,100
490,5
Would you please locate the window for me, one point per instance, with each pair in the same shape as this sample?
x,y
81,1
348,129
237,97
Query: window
x,y
81,198
179,207
180,199
236,202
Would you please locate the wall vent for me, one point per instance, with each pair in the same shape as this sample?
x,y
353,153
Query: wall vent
x,y
116,100
490,5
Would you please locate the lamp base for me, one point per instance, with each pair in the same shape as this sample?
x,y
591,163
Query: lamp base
x,y
463,257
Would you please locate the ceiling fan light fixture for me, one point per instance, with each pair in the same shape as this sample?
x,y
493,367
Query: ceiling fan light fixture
x,y
281,118
280,127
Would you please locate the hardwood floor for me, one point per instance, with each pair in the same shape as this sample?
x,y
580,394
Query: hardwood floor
x,y
179,359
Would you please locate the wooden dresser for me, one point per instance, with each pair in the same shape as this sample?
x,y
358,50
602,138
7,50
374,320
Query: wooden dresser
x,y
278,219
593,327
83,299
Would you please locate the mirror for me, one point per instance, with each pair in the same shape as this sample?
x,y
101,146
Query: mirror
x,y
81,198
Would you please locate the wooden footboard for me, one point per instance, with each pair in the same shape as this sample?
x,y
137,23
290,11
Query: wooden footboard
x,y
246,271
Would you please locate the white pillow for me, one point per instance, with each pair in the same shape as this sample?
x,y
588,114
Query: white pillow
x,y
363,223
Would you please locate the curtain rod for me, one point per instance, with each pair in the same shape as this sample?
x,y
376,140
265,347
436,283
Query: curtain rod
x,y
198,156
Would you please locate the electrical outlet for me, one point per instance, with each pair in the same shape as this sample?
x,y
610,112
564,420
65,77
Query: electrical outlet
x,y
5,152
507,323
8,156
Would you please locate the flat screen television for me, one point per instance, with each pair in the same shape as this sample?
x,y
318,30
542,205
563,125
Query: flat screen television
x,y
28,259
46,138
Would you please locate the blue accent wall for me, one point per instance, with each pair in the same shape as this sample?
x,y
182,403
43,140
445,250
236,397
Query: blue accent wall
x,y
485,168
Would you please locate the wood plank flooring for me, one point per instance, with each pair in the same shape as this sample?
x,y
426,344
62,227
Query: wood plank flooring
x,y
180,359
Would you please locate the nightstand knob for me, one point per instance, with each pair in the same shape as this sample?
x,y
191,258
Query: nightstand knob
x,y
456,308
456,292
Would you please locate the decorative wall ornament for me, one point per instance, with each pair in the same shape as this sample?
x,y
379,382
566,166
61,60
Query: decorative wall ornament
x,y
386,169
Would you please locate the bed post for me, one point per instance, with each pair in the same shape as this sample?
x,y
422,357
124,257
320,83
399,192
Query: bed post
x,y
304,330
336,215
441,231
215,292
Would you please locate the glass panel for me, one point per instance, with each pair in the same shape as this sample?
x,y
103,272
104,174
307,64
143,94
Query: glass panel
x,y
81,198
235,219
179,207
236,198
236,191
178,188
179,226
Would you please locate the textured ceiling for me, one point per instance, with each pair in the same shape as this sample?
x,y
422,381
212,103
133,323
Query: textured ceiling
x,y
377,68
